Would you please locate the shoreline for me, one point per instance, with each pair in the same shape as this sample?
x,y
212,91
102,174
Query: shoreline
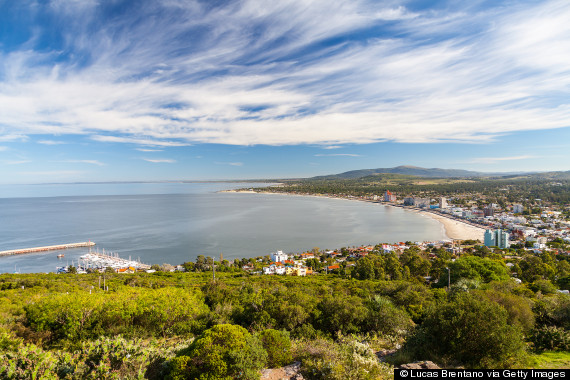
x,y
453,229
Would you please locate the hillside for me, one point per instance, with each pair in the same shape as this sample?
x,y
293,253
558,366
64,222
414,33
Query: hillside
x,y
411,170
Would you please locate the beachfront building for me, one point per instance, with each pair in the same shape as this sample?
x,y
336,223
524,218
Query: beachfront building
x,y
422,202
389,196
442,203
279,256
497,238
518,209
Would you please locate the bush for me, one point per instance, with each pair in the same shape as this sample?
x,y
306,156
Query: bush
x,y
553,311
80,316
387,319
278,347
543,286
550,338
108,358
222,352
469,330
519,310
348,358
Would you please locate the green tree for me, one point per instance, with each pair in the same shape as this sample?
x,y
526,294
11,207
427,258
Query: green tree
x,y
201,264
418,265
534,268
393,268
364,269
476,268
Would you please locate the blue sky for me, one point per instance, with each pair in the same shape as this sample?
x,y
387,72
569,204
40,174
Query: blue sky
x,y
178,89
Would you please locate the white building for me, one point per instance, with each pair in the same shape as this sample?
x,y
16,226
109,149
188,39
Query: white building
x,y
279,256
518,209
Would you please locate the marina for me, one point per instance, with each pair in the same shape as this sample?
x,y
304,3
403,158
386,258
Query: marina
x,y
101,261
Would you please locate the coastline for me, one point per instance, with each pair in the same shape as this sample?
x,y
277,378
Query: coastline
x,y
457,230
453,229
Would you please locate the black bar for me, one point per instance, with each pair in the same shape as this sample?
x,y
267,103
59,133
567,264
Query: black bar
x,y
518,374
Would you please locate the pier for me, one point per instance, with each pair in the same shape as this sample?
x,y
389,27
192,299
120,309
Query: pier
x,y
47,248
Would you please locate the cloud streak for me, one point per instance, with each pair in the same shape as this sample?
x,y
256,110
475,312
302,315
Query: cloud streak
x,y
292,72
160,160
90,162
338,155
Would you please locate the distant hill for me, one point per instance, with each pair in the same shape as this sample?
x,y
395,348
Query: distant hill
x,y
413,171
562,176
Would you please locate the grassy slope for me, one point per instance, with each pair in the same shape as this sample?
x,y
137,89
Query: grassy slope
x,y
550,360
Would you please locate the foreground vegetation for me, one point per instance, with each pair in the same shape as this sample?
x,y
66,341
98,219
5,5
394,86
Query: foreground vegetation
x,y
185,325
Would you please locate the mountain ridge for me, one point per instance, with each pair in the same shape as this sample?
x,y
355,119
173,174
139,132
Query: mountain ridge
x,y
439,173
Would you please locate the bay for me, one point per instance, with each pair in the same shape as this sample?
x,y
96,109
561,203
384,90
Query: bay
x,y
175,222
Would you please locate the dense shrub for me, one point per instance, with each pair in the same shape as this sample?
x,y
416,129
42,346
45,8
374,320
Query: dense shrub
x,y
553,311
106,358
476,268
28,362
348,358
385,318
519,309
144,312
278,347
222,352
341,314
469,330
550,338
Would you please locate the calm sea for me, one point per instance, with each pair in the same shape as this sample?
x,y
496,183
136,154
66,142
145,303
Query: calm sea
x,y
174,222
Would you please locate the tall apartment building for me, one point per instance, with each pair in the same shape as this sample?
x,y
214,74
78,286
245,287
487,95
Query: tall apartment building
x,y
442,202
389,196
497,238
518,208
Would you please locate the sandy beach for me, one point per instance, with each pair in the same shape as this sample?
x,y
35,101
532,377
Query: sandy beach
x,y
455,229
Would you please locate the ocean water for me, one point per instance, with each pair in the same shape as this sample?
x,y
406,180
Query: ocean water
x,y
175,222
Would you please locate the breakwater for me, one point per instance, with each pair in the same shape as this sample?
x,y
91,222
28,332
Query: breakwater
x,y
46,248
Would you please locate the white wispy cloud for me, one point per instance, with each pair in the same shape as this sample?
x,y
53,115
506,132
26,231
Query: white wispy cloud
x,y
338,154
3,148
90,162
491,160
137,140
271,75
229,163
160,160
51,142
149,150
10,137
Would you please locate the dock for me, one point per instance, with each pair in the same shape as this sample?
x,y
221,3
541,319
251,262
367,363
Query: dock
x,y
46,248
